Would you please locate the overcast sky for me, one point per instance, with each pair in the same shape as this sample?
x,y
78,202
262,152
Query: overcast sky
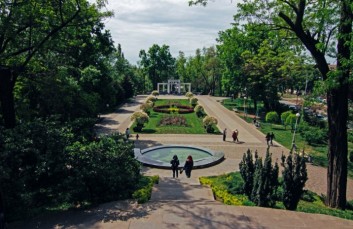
x,y
138,24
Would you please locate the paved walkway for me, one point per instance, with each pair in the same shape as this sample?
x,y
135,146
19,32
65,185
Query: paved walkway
x,y
183,202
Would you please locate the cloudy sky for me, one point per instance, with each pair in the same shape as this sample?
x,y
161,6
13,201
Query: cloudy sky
x,y
138,24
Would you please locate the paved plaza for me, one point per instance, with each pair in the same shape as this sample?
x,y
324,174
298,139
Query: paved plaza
x,y
183,202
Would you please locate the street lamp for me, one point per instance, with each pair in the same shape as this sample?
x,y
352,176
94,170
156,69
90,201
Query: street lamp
x,y
244,106
295,128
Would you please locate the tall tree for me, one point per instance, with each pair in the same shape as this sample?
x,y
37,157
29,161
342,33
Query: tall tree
x,y
319,25
158,63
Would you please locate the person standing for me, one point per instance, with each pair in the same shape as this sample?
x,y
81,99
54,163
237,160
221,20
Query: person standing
x,y
272,136
268,138
224,134
175,165
189,164
127,133
236,135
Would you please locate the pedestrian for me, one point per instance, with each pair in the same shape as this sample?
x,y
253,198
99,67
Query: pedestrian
x,y
254,121
272,136
236,135
137,137
175,165
127,133
224,134
268,138
189,164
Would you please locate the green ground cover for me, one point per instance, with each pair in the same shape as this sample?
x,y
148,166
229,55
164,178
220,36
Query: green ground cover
x,y
194,123
228,189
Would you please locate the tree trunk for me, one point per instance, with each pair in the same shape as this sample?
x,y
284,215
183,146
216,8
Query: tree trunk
x,y
7,83
337,111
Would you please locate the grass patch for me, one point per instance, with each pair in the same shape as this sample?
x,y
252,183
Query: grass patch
x,y
194,123
227,188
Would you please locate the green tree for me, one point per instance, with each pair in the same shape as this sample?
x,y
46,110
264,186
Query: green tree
x,y
319,26
284,117
294,178
247,169
158,63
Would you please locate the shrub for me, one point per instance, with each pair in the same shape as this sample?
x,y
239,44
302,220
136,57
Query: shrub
x,y
291,120
208,123
151,99
265,182
95,174
272,117
146,106
155,93
189,94
199,110
193,101
284,116
294,178
143,193
247,169
314,135
140,117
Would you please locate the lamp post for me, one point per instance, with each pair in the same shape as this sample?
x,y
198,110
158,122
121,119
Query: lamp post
x,y
244,106
295,129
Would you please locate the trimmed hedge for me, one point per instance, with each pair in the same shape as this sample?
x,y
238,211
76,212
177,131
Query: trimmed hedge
x,y
143,194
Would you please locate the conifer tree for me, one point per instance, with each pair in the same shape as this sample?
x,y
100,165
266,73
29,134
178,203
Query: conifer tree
x,y
247,169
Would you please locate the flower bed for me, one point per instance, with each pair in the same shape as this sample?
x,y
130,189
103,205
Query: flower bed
x,y
181,109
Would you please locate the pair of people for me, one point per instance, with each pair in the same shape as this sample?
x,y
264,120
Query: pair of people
x,y
269,138
189,164
235,135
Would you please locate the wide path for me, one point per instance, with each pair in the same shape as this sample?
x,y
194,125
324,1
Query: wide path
x,y
183,202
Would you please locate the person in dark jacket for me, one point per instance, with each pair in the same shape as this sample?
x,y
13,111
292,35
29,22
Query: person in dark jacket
x,y
189,164
175,165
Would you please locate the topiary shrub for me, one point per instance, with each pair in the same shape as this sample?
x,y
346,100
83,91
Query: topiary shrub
x,y
155,93
189,94
291,120
284,116
272,117
140,118
199,110
193,101
209,122
294,178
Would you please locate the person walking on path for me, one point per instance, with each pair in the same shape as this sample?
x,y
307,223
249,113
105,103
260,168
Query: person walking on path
x,y
189,164
272,136
235,135
137,137
175,165
268,138
224,134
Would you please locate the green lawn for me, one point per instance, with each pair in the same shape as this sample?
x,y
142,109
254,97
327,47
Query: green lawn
x,y
194,123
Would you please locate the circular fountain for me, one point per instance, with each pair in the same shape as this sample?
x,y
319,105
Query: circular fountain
x,y
160,156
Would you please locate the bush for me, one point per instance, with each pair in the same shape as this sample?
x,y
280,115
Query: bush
x,y
145,185
272,117
199,110
351,156
140,117
314,135
291,120
189,94
94,174
284,116
208,123
155,93
193,101
294,178
247,169
265,182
